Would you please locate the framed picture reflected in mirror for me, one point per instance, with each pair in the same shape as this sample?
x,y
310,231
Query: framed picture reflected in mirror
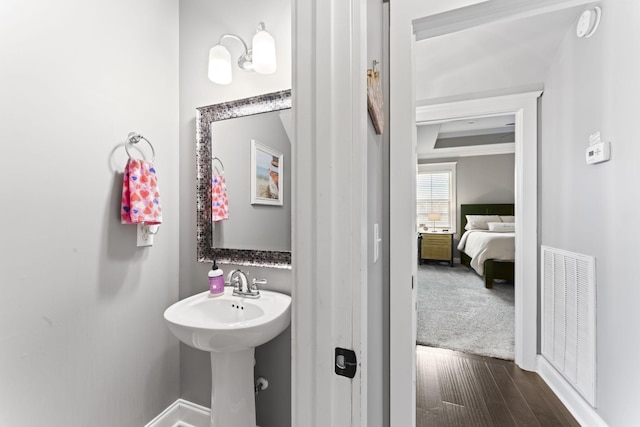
x,y
267,177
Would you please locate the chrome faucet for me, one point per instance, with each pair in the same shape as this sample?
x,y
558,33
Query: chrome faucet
x,y
238,279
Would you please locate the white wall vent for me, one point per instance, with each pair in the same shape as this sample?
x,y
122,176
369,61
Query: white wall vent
x,y
569,317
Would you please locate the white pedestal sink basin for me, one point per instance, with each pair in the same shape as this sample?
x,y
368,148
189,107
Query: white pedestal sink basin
x,y
230,327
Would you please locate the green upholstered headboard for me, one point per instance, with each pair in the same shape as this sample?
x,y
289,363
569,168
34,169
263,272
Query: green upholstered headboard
x,y
484,209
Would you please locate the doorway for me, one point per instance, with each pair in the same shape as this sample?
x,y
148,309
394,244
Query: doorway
x,y
454,93
524,108
467,162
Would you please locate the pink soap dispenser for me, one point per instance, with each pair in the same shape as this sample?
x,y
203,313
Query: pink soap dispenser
x,y
216,281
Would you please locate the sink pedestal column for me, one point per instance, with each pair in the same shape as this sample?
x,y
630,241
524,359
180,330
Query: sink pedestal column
x,y
232,389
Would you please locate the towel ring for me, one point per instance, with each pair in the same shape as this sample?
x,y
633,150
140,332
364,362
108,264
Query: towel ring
x,y
215,168
134,138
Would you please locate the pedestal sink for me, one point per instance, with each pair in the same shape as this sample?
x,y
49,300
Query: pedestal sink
x,y
230,327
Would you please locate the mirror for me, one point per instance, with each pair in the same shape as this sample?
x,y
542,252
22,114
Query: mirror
x,y
257,234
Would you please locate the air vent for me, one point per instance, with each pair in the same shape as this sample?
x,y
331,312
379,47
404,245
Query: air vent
x,y
569,317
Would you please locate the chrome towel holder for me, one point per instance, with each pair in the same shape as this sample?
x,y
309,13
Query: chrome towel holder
x,y
215,167
134,138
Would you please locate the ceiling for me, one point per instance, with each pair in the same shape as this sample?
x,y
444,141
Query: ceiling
x,y
509,56
491,57
468,137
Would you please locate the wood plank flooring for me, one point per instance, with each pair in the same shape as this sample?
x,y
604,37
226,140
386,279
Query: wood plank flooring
x,y
458,389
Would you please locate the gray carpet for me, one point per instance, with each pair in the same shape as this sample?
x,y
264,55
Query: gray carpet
x,y
456,311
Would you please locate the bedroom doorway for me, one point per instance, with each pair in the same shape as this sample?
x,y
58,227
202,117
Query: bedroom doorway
x,y
523,107
466,162
403,248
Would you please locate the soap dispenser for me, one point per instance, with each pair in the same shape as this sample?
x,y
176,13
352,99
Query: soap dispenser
x,y
216,281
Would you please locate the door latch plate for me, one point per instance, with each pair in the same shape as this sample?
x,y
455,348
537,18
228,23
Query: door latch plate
x,y
346,363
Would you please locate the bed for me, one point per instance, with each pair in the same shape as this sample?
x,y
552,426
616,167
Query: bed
x,y
490,268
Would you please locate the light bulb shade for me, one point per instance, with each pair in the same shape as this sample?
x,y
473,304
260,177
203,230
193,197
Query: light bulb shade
x,y
433,217
264,52
220,65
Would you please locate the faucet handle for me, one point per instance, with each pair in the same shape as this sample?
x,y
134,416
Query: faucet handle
x,y
254,286
256,282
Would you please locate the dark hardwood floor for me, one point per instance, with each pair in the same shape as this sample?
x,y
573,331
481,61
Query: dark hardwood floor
x,y
458,389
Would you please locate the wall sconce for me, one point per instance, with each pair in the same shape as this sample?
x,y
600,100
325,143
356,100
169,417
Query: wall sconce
x,y
260,57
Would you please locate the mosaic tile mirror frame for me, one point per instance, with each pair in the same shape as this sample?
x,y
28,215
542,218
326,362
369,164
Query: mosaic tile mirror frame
x,y
204,228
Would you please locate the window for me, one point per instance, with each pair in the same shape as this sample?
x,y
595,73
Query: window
x,y
436,194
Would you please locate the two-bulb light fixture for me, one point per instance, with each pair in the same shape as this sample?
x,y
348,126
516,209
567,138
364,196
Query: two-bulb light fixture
x,y
260,57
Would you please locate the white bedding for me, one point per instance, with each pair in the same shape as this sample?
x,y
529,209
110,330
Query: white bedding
x,y
482,245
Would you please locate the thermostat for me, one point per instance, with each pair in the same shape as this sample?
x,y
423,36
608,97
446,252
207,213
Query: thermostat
x,y
598,153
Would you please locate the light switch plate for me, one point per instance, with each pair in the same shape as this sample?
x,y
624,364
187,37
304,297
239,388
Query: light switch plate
x,y
376,242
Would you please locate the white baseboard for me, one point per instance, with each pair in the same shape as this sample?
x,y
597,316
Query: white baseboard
x,y
182,413
584,413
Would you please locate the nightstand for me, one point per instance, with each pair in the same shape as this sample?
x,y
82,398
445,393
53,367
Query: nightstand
x,y
436,247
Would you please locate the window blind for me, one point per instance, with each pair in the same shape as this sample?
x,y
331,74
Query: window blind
x,y
435,194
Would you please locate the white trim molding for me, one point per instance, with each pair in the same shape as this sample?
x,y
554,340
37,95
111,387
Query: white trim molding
x,y
182,413
475,15
584,413
329,217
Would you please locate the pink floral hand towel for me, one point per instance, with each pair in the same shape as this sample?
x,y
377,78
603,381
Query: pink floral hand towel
x,y
219,200
140,194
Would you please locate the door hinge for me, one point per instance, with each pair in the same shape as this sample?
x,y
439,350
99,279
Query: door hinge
x,y
346,363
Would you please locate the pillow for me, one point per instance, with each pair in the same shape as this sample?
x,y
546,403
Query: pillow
x,y
479,222
502,227
507,218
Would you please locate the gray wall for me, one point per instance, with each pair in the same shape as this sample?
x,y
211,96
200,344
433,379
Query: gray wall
x,y
593,85
377,272
202,22
485,179
83,339
482,179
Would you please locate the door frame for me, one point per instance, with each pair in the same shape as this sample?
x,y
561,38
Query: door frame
x,y
525,109
329,216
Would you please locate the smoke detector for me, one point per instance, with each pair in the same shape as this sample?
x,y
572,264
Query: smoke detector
x,y
588,22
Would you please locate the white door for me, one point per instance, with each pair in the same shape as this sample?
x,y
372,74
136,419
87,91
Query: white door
x,y
329,210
